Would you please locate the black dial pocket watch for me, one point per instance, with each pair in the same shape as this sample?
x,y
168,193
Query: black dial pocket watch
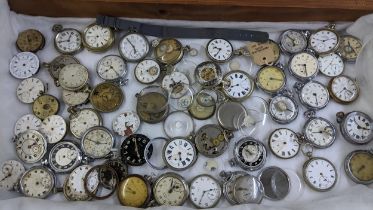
x,y
132,150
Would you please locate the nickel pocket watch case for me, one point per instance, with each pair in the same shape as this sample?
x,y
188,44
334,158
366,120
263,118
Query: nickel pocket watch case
x,y
356,127
179,154
147,71
276,183
169,51
324,40
358,166
331,65
229,115
98,38
237,85
64,157
133,46
303,65
282,108
313,95
284,143
205,191
248,189
319,132
249,154
228,184
204,105
293,41
112,68
67,40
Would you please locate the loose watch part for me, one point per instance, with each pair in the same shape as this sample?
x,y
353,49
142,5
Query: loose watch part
x,y
30,40
67,40
64,157
293,41
249,154
343,89
219,50
31,146
77,97
264,53
45,105
319,132
152,104
97,142
208,74
271,79
126,123
112,68
73,77
202,111
325,40
147,71
229,115
170,189
237,85
211,140
57,64
98,38
331,65
320,174
54,128
159,164
106,97
37,182
205,191
248,189
313,95
107,181
134,47
120,168
178,123
24,65
356,127
284,143
169,51
134,191
276,183
228,185
83,119
359,166
132,150
283,109
303,66
27,122
350,47
176,84
179,154
11,172
29,89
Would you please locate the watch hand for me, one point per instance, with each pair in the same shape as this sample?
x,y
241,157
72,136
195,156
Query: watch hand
x,y
349,44
219,49
133,46
8,175
203,194
170,190
305,69
359,126
136,149
248,151
242,188
315,94
361,168
273,78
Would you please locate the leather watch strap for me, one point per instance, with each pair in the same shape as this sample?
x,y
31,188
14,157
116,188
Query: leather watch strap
x,y
182,32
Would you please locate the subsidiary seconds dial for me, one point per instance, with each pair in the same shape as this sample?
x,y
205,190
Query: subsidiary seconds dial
x,y
219,50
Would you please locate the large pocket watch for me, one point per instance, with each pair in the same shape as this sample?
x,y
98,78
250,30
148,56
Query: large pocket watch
x,y
152,104
249,154
24,65
170,189
132,150
147,71
324,40
37,182
179,154
112,68
83,119
98,38
228,184
221,50
67,40
134,47
64,157
264,53
271,79
313,95
205,191
282,108
293,41
319,174
356,127
303,65
359,166
106,97
57,64
134,191
343,89
31,146
10,173
97,142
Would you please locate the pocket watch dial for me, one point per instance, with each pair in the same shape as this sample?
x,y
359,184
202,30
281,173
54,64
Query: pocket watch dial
x,y
74,185
350,47
324,41
11,172
314,95
132,150
24,65
211,140
344,89
98,38
293,41
170,190
111,67
271,79
331,65
133,47
54,128
29,89
147,71
74,98
45,106
201,112
30,146
58,63
283,143
64,157
179,154
264,53
68,41
283,109
126,123
237,85
320,174
83,120
219,50
106,97
177,124
359,166
303,65
248,189
319,132
30,40
134,191
120,168
208,74
37,182
97,142
357,128
250,154
205,191
176,83
168,51
73,77
27,122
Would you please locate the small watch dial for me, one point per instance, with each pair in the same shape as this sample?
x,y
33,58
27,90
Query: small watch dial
x,y
111,67
83,120
133,47
320,174
293,41
331,65
97,142
74,189
68,41
126,123
97,37
283,109
350,47
264,53
171,190
24,65
27,122
319,132
30,146
304,65
74,98
147,71
37,182
132,149
271,79
64,157
284,143
176,83
251,153
344,89
205,191
73,76
324,41
10,173
358,127
29,89
315,95
219,50
179,154
54,128
238,85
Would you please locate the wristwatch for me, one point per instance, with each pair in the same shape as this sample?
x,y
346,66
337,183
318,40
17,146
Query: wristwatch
x,y
356,127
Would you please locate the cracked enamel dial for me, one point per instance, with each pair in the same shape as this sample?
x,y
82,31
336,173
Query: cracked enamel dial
x,y
30,146
73,77
83,120
205,191
74,98
350,47
64,157
283,143
219,50
37,182
319,174
27,122
68,41
250,154
29,89
314,95
111,67
170,189
126,123
331,65
176,83
357,127
54,128
237,85
147,71
179,154
98,38
324,41
133,47
11,172
303,66
283,109
132,150
45,105
319,132
343,89
24,65
271,79
97,142
293,41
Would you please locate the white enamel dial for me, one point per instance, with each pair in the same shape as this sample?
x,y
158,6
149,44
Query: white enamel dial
x,y
74,184
27,122
304,65
29,89
314,95
127,123
37,182
68,41
319,132
133,47
74,98
283,109
324,41
283,143
64,157
176,83
147,71
73,77
179,154
219,50
10,173
24,65
54,128
358,127
111,67
96,36
331,65
30,146
83,120
171,190
205,191
238,85
97,142
344,89
293,41
320,174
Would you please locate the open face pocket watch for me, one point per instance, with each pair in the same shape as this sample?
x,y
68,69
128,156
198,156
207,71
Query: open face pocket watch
x,y
132,150
73,77
31,146
331,64
359,166
24,65
30,40
170,189
303,66
284,143
83,119
237,85
67,40
282,108
64,157
170,51
271,79
134,47
356,127
98,38
10,173
134,191
179,154
343,89
106,97
29,89
205,191
349,47
249,154
37,182
97,142
324,40
221,50
313,95
147,71
112,68
293,41
319,132
57,64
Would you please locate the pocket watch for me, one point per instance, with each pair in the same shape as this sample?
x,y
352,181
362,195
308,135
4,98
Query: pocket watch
x,y
97,142
134,191
312,94
248,189
249,154
284,143
228,115
147,71
276,183
120,168
170,189
211,140
324,40
27,122
356,127
202,111
303,66
11,172
319,132
54,128
64,157
37,182
264,53
126,123
152,104
67,40
359,166
107,182
208,74
57,64
205,191
106,97
73,77
178,123
134,47
343,89
169,51
31,146
319,174
237,85
112,68
283,109
331,64
228,185
29,89
98,38
132,150
45,106
219,50
179,154
176,84
271,79
24,65
293,41
349,47
77,97
30,40
83,119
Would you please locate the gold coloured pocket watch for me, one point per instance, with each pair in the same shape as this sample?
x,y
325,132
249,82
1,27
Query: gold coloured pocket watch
x,y
134,191
271,79
106,97
30,40
170,51
98,38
